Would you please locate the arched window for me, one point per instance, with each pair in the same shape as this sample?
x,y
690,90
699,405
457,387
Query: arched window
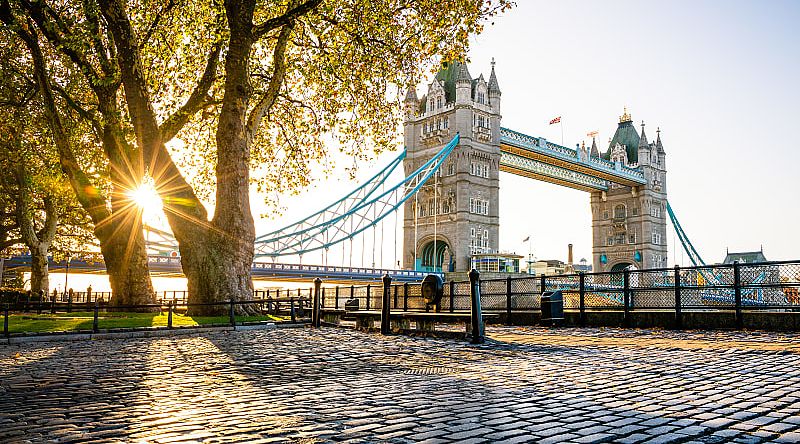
x,y
481,97
431,107
439,102
619,212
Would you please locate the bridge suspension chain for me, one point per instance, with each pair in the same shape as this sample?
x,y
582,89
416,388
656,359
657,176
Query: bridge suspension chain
x,y
360,212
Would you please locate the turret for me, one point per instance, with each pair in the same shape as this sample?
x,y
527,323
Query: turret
x,y
494,91
411,103
594,152
643,149
463,84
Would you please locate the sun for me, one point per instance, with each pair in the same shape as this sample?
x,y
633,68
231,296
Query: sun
x,y
146,198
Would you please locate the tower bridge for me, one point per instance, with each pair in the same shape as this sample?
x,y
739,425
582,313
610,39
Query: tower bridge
x,y
456,216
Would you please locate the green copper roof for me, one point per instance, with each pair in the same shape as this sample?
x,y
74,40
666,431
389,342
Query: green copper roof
x,y
448,74
626,135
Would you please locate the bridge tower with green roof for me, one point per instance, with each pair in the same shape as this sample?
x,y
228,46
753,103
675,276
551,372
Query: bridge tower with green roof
x,y
455,215
629,224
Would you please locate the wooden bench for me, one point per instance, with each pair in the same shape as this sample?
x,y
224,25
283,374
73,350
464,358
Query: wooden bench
x,y
401,320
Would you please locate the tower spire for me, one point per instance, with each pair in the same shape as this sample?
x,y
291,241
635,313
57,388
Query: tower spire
x,y
659,146
494,87
643,138
594,152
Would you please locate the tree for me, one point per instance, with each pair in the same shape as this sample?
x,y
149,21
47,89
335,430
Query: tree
x,y
293,71
101,173
38,202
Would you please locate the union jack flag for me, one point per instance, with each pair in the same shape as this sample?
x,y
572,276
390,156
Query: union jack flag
x,y
556,120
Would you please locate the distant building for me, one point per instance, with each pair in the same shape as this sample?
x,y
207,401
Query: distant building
x,y
549,267
748,257
583,266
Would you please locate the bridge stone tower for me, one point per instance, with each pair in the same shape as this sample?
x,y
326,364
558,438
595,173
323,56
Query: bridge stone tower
x,y
456,213
629,224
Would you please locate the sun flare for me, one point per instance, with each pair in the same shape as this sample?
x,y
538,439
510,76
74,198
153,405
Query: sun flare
x,y
146,198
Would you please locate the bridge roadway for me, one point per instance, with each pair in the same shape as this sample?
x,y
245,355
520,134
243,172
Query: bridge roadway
x,y
171,267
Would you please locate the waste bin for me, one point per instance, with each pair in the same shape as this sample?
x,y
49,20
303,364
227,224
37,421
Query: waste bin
x,y
552,308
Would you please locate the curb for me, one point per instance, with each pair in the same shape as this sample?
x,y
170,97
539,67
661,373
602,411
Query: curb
x,y
161,332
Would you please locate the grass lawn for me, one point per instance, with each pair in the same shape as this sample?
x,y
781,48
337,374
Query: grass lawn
x,y
31,323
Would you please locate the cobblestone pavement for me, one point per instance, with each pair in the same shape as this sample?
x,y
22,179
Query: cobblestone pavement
x,y
300,385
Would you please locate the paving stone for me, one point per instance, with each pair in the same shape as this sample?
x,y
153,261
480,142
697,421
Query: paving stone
x,y
526,384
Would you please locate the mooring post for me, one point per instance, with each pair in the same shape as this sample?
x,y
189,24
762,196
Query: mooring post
x,y
96,320
315,312
626,298
678,314
737,292
582,298
386,306
452,296
169,313
508,300
369,293
477,315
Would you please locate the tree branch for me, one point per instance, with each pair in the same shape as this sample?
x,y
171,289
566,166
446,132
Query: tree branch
x,y
262,29
197,100
278,74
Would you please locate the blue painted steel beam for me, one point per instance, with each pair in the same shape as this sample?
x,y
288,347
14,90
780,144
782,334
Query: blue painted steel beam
x,y
567,158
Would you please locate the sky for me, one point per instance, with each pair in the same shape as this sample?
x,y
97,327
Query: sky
x,y
719,77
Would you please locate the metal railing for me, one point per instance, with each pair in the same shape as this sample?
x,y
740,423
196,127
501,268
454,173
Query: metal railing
x,y
767,286
292,307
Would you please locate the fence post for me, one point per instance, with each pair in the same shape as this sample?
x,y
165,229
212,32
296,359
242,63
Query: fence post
x,y
315,310
678,314
395,295
96,320
508,300
737,291
385,307
69,303
169,314
582,298
452,296
626,297
405,296
41,296
5,321
369,292
353,294
477,315
232,314
543,283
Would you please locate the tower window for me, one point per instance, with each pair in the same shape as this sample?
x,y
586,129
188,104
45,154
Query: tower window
x,y
619,212
481,97
439,102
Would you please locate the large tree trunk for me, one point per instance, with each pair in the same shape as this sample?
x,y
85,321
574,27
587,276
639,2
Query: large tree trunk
x,y
40,279
216,255
125,256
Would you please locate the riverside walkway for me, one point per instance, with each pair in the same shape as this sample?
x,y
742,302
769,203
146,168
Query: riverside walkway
x,y
335,385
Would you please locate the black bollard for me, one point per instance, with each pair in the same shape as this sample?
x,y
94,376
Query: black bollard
x,y
5,322
169,314
232,314
315,312
477,316
96,320
385,306
291,310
